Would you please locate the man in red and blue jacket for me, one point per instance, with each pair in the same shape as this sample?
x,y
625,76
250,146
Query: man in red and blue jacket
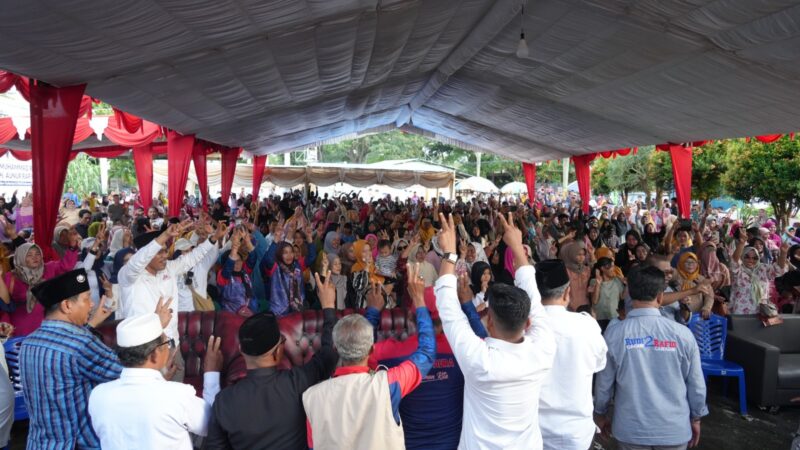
x,y
431,413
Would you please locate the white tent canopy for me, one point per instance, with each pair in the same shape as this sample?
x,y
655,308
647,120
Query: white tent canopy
x,y
515,187
272,76
476,184
400,174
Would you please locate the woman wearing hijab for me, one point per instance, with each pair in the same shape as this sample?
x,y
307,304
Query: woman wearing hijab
x,y
29,270
751,278
607,288
794,257
497,262
712,269
626,256
24,216
285,272
688,276
574,256
339,281
362,276
480,280
120,259
347,258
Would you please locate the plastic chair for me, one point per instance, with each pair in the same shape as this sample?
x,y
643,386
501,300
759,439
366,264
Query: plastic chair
x,y
11,347
710,336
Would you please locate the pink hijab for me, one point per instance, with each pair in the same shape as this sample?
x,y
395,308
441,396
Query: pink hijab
x,y
373,242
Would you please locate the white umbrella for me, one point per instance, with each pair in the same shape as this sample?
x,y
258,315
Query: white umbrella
x,y
476,184
515,187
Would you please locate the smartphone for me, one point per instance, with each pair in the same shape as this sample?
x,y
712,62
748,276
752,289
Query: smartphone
x,y
108,302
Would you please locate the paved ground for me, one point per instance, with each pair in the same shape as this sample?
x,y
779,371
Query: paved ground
x,y
724,429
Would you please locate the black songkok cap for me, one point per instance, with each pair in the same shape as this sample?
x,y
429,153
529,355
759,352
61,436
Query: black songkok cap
x,y
551,274
62,287
144,239
259,333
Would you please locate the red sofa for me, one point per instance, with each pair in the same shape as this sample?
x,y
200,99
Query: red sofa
x,y
302,332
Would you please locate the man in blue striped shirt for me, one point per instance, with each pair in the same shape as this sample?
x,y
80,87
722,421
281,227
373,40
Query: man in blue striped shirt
x,y
60,363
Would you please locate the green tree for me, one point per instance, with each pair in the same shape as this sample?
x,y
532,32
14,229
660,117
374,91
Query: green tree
x,y
83,175
709,164
551,172
659,169
768,172
629,173
601,182
122,171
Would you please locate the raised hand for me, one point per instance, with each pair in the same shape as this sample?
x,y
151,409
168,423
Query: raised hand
x,y
213,360
512,235
447,235
326,291
6,329
464,290
164,311
375,297
106,283
416,286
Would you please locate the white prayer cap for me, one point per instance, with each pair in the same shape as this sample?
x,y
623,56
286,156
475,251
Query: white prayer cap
x,y
183,244
138,330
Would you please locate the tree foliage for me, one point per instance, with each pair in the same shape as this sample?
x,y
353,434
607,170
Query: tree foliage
x,y
83,175
709,164
768,172
123,171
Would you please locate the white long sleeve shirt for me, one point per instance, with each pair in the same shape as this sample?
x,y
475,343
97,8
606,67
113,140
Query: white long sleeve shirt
x,y
199,281
565,406
141,290
502,381
143,410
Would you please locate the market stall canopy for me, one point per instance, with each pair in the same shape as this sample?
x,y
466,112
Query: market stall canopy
x,y
400,174
272,76
476,184
515,187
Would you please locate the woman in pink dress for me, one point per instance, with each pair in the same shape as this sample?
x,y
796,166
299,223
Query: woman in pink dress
x,y
24,213
751,279
30,269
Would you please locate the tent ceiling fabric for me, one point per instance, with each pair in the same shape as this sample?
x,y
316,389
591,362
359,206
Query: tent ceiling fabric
x,y
271,76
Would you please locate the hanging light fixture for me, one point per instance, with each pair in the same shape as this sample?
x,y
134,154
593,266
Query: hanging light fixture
x,y
522,46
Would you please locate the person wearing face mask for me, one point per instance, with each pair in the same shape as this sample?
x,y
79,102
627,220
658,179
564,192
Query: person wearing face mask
x,y
166,411
750,278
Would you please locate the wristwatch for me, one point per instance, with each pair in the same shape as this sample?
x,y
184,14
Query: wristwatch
x,y
450,257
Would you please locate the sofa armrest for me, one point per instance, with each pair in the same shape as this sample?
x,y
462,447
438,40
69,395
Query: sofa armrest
x,y
760,362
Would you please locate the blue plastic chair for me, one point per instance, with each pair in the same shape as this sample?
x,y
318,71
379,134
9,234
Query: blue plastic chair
x,y
710,336
11,347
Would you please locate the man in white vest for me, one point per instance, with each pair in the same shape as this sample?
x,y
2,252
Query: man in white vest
x,y
565,406
359,408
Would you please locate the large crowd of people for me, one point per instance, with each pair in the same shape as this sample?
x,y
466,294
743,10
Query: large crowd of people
x,y
538,325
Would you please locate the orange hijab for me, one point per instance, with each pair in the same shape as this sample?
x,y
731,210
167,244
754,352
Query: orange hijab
x,y
605,252
360,264
688,278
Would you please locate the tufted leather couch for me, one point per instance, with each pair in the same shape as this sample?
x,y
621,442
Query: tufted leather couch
x,y
302,332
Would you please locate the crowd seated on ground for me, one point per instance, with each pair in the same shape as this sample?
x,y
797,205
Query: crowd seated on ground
x,y
458,271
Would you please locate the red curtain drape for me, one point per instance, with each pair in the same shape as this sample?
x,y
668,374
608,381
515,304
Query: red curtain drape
x,y
229,157
682,174
54,112
259,162
7,129
769,138
584,175
118,134
111,151
143,162
529,170
128,121
179,154
199,154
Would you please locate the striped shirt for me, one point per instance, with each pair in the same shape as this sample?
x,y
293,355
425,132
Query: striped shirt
x,y
60,363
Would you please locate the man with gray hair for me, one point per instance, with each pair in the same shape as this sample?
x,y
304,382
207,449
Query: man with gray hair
x,y
349,410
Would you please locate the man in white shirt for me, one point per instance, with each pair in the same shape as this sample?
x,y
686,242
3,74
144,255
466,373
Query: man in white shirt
x,y
565,406
143,410
149,278
503,374
197,278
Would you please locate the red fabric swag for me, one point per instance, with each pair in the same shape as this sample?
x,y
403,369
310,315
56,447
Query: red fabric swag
x,y
179,155
128,121
119,135
143,163
7,129
769,138
259,162
199,157
229,157
682,173
529,169
54,112
584,175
